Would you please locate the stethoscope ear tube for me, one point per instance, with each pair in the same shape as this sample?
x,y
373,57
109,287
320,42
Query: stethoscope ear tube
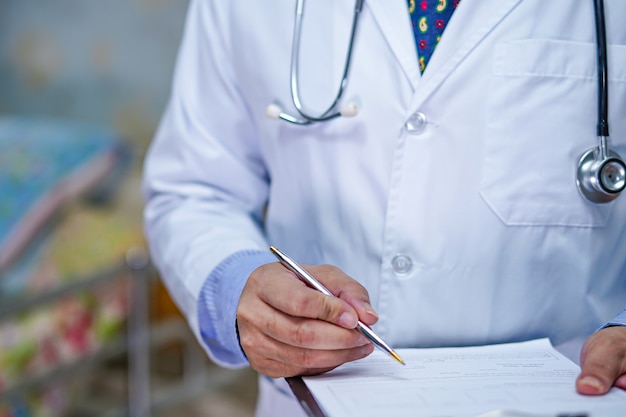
x,y
274,111
601,172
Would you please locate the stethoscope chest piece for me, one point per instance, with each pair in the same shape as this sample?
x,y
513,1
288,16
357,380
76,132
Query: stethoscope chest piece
x,y
601,178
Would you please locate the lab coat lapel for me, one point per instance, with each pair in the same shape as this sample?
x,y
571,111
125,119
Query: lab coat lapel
x,y
470,24
394,22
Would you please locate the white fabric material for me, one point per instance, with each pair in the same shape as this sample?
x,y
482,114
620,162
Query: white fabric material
x,y
483,201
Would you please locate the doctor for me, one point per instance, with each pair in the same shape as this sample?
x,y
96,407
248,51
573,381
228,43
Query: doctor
x,y
445,212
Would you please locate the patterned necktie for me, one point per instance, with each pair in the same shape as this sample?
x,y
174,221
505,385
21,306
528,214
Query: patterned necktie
x,y
429,18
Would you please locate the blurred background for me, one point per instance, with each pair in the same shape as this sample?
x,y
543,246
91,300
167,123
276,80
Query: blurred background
x,y
86,328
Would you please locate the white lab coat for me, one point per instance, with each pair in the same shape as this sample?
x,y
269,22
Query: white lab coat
x,y
467,229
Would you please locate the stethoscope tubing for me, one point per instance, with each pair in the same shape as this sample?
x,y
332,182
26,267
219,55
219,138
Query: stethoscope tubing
x,y
603,89
330,112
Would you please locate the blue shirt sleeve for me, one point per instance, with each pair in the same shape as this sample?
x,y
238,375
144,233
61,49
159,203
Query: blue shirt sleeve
x,y
217,305
619,320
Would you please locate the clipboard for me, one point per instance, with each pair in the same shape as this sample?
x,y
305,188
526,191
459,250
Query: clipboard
x,y
335,386
312,408
305,397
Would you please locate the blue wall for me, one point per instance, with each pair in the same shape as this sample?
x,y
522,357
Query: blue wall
x,y
103,61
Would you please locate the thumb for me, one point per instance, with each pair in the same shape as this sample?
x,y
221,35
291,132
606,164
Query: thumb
x,y
603,362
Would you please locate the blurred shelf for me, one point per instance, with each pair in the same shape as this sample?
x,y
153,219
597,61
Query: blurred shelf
x,y
134,342
11,307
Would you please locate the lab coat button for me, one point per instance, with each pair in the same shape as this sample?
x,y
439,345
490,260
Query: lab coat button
x,y
416,123
401,265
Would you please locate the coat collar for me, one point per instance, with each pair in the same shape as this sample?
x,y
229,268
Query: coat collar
x,y
470,24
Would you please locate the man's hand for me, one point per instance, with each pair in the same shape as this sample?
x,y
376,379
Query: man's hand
x,y
603,361
286,328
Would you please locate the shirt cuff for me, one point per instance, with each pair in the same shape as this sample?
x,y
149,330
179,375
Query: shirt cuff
x,y
217,305
619,320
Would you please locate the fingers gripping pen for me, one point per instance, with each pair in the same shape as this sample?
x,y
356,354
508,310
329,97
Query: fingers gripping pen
x,y
314,283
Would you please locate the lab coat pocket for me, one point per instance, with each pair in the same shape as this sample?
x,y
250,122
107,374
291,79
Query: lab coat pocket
x,y
542,116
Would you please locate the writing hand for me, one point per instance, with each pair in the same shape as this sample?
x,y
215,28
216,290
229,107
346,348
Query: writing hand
x,y
603,361
286,328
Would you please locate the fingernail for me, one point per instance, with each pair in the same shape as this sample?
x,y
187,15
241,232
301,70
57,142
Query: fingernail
x,y
592,382
370,310
348,320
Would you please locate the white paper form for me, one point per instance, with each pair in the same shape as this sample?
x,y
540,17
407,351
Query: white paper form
x,y
527,377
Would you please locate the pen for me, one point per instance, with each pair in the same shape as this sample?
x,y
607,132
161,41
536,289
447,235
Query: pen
x,y
312,282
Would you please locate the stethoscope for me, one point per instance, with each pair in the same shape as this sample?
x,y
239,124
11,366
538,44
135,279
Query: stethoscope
x,y
601,172
274,111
